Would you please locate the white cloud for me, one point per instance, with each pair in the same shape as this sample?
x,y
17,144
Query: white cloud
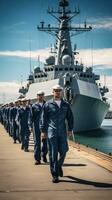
x,y
98,23
100,56
42,53
8,91
101,23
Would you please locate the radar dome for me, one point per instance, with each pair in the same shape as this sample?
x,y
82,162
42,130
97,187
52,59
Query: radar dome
x,y
50,60
36,69
66,60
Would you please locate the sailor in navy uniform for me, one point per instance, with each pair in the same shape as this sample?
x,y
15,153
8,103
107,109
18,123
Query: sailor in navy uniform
x,y
23,120
35,125
10,125
19,105
9,106
13,114
55,112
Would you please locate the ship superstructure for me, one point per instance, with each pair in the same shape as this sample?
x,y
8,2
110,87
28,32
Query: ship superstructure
x,y
81,90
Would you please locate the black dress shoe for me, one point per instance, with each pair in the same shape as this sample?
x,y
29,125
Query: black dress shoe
x,y
55,179
14,142
19,141
37,162
60,172
44,159
22,147
26,150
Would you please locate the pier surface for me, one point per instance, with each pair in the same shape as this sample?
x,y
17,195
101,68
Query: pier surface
x,y
85,177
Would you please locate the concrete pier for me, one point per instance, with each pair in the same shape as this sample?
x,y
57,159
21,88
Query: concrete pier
x,y
86,175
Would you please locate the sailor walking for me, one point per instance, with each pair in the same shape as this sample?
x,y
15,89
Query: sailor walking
x,y
13,114
53,127
23,120
35,121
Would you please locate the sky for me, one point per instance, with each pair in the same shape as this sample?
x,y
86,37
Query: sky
x,y
18,30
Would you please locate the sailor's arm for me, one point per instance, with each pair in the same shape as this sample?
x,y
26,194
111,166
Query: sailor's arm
x,y
44,121
30,119
70,121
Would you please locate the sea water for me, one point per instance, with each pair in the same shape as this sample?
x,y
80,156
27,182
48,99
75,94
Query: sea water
x,y
100,139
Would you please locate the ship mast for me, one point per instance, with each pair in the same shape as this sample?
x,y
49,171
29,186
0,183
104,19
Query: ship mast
x,y
62,33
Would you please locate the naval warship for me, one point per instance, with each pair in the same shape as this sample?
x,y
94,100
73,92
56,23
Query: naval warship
x,y
80,85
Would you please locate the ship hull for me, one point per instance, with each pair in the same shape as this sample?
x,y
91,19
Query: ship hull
x,y
88,113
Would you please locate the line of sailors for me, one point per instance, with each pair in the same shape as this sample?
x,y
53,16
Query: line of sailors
x,y
20,119
47,122
8,114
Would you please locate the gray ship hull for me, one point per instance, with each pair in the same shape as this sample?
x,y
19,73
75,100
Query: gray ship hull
x,y
88,113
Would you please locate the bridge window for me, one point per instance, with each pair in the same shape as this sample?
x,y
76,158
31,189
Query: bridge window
x,y
66,69
56,69
71,69
60,69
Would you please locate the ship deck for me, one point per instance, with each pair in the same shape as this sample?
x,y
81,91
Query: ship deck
x,y
87,174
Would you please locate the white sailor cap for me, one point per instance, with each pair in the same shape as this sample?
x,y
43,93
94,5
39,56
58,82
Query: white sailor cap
x,y
19,100
57,87
16,101
24,99
40,92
